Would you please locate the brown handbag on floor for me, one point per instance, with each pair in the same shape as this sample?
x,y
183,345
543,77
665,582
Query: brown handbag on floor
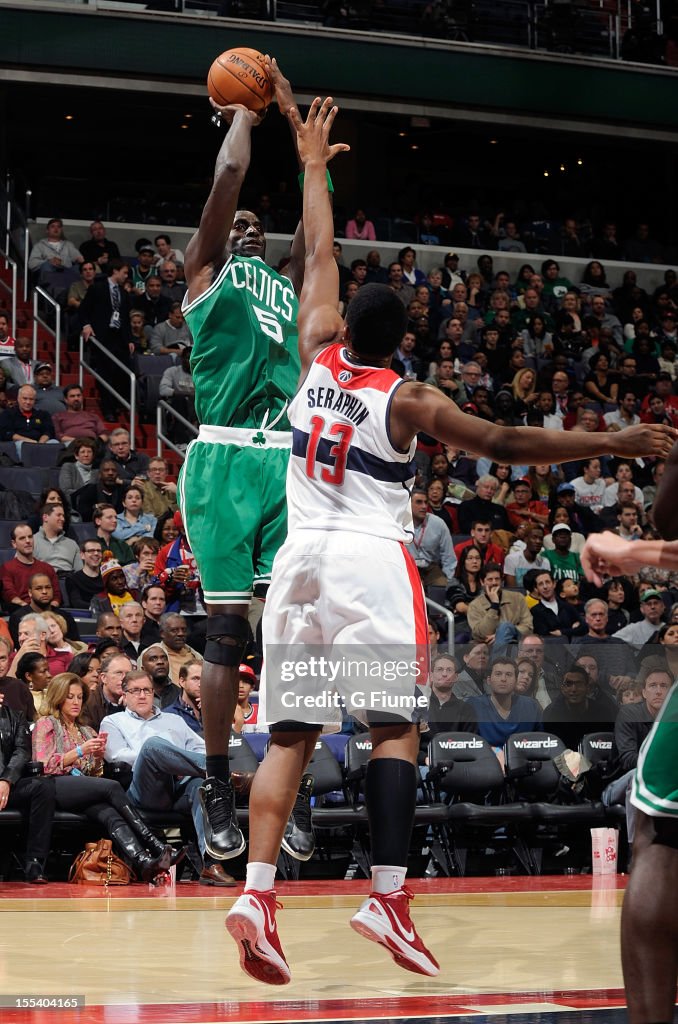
x,y
98,865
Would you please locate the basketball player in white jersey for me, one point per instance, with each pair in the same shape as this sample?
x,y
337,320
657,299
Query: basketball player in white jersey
x,y
344,577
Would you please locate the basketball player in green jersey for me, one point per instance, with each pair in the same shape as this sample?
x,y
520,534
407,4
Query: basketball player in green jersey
x,y
649,928
245,364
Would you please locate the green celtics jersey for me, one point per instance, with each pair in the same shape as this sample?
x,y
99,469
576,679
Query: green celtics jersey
x,y
245,359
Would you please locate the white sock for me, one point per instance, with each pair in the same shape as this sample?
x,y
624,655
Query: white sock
x,y
387,878
260,877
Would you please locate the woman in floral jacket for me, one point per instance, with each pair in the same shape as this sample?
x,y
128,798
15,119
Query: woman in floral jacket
x,y
73,754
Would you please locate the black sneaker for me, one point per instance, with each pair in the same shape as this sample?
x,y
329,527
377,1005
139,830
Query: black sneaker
x,y
298,839
223,838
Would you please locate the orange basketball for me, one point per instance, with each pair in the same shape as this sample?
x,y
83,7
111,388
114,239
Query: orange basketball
x,y
239,76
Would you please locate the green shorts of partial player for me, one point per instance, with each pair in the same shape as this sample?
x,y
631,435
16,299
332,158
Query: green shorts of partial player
x,y
655,784
232,498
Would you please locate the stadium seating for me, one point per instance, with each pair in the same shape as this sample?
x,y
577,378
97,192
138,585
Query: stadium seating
x,y
33,480
431,815
465,772
40,456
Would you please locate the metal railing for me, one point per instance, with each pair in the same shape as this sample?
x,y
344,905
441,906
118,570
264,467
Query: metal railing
x,y
14,233
596,27
8,213
39,293
442,610
161,436
27,241
9,262
131,406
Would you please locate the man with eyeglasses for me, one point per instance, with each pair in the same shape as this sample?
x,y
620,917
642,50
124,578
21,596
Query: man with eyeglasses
x,y
167,759
105,699
86,584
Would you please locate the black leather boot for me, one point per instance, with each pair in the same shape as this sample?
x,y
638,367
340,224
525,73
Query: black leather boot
x,y
155,846
145,864
34,873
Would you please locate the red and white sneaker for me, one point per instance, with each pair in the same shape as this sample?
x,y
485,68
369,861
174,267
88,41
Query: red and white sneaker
x,y
386,919
251,922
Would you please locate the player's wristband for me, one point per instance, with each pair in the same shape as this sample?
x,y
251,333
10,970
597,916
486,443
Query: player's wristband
x,y
330,186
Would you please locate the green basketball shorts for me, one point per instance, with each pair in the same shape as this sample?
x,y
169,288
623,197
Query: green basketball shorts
x,y
655,784
231,493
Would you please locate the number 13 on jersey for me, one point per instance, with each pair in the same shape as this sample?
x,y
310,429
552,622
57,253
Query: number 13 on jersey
x,y
338,453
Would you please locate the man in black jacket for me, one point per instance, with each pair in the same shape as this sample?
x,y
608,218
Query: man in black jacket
x,y
633,724
482,507
152,303
41,599
634,721
553,616
131,464
574,713
24,422
104,315
35,794
104,491
446,712
83,586
98,249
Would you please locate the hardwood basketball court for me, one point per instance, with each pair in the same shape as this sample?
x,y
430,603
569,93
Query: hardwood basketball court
x,y
507,947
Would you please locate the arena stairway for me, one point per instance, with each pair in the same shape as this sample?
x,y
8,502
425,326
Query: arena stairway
x,y
146,434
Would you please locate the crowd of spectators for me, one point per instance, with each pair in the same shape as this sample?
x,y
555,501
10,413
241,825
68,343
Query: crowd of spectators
x,y
130,306
514,233
538,647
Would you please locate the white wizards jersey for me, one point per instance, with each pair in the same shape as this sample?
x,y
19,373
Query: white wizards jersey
x,y
344,472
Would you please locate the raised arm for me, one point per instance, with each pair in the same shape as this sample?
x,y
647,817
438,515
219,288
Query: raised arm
x,y
206,251
420,407
319,322
284,97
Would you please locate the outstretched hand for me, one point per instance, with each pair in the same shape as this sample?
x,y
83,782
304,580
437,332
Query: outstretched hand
x,y
656,439
284,96
313,133
606,554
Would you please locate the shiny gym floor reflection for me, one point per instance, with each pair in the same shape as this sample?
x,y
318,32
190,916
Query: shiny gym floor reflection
x,y
506,946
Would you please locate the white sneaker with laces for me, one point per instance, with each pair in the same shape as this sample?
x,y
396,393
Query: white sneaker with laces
x,y
251,922
385,919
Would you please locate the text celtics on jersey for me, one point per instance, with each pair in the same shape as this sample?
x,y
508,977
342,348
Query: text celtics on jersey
x,y
275,293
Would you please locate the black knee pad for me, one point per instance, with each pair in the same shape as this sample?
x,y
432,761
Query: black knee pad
x,y
227,637
666,832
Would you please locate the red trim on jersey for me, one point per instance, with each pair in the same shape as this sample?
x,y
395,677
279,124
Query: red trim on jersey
x,y
379,379
252,717
419,609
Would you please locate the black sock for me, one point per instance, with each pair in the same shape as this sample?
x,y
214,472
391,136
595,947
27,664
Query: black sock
x,y
390,796
217,767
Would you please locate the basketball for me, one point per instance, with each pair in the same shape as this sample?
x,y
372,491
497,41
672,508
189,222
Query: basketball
x,y
239,76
